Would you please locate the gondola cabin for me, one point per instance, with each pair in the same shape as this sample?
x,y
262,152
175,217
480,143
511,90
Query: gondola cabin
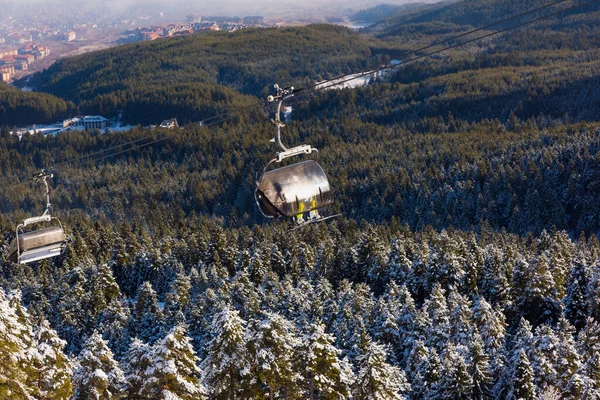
x,y
293,190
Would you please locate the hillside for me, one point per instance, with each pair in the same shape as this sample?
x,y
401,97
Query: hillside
x,y
183,76
20,108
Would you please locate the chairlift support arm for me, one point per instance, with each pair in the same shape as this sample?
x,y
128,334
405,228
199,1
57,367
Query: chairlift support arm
x,y
282,94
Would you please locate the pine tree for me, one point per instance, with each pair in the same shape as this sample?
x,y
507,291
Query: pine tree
x,y
588,345
15,343
147,317
53,368
446,263
576,298
135,363
326,376
97,375
455,380
523,387
172,371
479,369
492,327
227,366
178,297
399,264
370,259
376,379
540,298
461,329
272,343
386,329
418,370
545,356
568,359
437,310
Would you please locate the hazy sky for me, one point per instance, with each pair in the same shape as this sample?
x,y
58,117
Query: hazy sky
x,y
221,7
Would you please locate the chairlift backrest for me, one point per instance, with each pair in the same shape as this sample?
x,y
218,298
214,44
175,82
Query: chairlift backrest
x,y
39,244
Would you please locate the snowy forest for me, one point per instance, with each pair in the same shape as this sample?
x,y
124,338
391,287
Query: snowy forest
x,y
465,265
336,311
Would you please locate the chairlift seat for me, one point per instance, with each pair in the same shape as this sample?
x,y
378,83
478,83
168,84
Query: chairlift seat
x,y
37,245
293,189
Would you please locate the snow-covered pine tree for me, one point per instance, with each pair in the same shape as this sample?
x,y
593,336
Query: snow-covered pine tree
x,y
522,340
325,375
479,369
568,360
15,345
456,383
562,251
306,260
97,375
539,301
147,317
399,266
446,263
406,321
135,363
53,369
272,342
437,310
277,260
576,303
386,329
461,327
588,345
177,298
522,387
376,379
581,387
172,372
370,260
227,367
417,369
474,262
492,328
545,357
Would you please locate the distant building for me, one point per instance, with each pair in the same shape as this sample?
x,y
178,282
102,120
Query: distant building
x,y
8,69
8,53
169,123
5,77
87,122
70,36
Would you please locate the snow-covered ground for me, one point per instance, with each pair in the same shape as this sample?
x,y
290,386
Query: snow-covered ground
x,y
54,129
356,80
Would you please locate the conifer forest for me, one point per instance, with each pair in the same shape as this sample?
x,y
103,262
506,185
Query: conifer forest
x,y
465,264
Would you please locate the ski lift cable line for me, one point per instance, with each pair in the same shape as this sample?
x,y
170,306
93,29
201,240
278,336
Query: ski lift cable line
x,y
321,86
450,39
205,122
102,154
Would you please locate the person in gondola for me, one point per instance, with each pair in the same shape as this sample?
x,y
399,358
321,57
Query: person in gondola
x,y
300,216
314,213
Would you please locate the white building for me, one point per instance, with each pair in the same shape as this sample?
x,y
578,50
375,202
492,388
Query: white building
x,y
87,122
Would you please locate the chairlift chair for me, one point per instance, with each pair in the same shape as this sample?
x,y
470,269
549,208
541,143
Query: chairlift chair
x,y
294,191
38,244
